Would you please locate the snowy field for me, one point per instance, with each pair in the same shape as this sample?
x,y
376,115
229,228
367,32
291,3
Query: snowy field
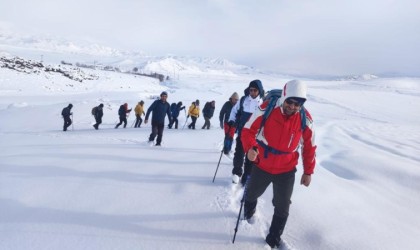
x,y
108,189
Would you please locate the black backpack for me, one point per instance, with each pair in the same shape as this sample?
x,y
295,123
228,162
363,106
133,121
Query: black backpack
x,y
121,111
94,110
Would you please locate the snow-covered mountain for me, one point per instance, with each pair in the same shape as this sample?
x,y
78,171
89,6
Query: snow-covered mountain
x,y
358,77
56,50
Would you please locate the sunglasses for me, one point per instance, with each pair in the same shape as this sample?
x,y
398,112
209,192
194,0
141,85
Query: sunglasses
x,y
293,102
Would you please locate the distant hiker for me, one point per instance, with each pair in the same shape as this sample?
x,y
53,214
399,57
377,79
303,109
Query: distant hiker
x,y
66,113
175,109
208,112
139,111
160,109
194,112
273,150
224,118
122,113
239,115
98,113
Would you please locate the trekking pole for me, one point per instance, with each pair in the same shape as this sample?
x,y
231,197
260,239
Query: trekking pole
x,y
185,123
218,165
240,209
133,122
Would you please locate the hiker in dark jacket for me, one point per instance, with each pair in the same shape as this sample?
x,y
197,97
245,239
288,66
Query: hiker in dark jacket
x,y
160,109
224,118
66,113
98,115
208,112
122,113
175,109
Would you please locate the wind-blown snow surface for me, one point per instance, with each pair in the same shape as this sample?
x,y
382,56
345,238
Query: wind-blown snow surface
x,y
108,189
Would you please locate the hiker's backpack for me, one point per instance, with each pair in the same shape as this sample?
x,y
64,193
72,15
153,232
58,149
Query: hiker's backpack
x,y
94,110
173,107
272,97
121,111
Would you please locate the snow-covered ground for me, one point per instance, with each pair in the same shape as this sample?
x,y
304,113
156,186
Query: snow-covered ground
x,y
108,189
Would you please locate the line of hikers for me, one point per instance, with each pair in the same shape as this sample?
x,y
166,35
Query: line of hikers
x,y
270,131
123,114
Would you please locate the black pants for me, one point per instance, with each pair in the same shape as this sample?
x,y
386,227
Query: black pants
x,y
122,119
157,129
206,123
67,122
174,121
192,124
239,158
138,121
98,121
282,191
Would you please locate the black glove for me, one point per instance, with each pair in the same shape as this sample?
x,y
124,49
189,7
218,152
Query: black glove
x,y
231,123
221,125
188,116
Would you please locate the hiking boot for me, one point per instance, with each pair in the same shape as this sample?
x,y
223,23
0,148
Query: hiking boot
x,y
249,209
273,241
249,213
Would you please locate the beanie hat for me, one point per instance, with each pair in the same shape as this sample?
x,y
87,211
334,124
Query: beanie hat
x,y
101,105
164,93
234,96
71,105
197,102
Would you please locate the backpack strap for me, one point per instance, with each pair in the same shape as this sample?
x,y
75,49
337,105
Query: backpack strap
x,y
302,118
268,109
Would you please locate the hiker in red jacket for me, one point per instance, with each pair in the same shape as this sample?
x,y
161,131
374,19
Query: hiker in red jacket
x,y
273,150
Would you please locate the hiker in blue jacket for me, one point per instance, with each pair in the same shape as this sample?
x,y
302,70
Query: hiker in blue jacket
x,y
175,109
160,109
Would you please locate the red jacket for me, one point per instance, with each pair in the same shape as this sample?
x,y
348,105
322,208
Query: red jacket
x,y
284,133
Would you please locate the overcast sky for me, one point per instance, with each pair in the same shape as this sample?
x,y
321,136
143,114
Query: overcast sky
x,y
322,37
